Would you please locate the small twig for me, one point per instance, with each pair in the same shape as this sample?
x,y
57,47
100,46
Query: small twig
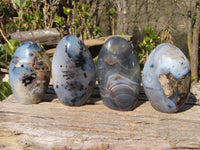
x,y
10,45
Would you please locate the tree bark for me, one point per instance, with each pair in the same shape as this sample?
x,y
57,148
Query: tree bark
x,y
189,31
195,44
48,37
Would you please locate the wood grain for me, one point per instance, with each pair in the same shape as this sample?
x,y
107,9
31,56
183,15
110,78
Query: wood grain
x,y
52,125
45,37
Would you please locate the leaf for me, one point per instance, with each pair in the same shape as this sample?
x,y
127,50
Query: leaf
x,y
5,90
17,2
89,25
146,39
10,51
85,14
147,45
26,4
15,43
100,34
78,32
20,3
193,78
67,11
112,12
2,64
79,6
86,7
59,21
28,18
76,22
25,17
95,60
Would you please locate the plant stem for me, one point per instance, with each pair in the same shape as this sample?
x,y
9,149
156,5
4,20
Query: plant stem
x,y
113,26
45,10
9,44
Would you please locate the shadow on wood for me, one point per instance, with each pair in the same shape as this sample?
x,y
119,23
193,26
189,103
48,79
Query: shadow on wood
x,y
192,100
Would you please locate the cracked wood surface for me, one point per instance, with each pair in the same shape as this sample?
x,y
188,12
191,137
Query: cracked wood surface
x,y
43,36
52,125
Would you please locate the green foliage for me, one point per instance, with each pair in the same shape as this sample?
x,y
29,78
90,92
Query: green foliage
x,y
32,15
193,78
78,21
97,31
6,52
60,21
82,23
20,3
3,9
151,40
7,12
112,12
6,9
86,8
95,60
28,17
67,11
5,90
78,33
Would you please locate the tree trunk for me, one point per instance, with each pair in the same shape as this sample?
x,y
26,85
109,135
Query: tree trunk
x,y
195,45
189,31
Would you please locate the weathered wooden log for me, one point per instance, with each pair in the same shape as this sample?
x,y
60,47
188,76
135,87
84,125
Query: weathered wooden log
x,y
49,37
102,40
94,45
52,125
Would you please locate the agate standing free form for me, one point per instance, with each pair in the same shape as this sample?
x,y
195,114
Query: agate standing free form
x,y
118,74
73,71
166,78
29,73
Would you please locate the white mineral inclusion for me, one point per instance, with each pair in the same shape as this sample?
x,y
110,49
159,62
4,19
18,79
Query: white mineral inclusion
x,y
165,58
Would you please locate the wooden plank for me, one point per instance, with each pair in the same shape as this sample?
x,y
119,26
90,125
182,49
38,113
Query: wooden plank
x,y
52,125
45,37
102,40
94,45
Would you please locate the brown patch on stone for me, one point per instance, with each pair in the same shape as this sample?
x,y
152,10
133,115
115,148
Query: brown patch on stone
x,y
170,85
41,62
109,60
